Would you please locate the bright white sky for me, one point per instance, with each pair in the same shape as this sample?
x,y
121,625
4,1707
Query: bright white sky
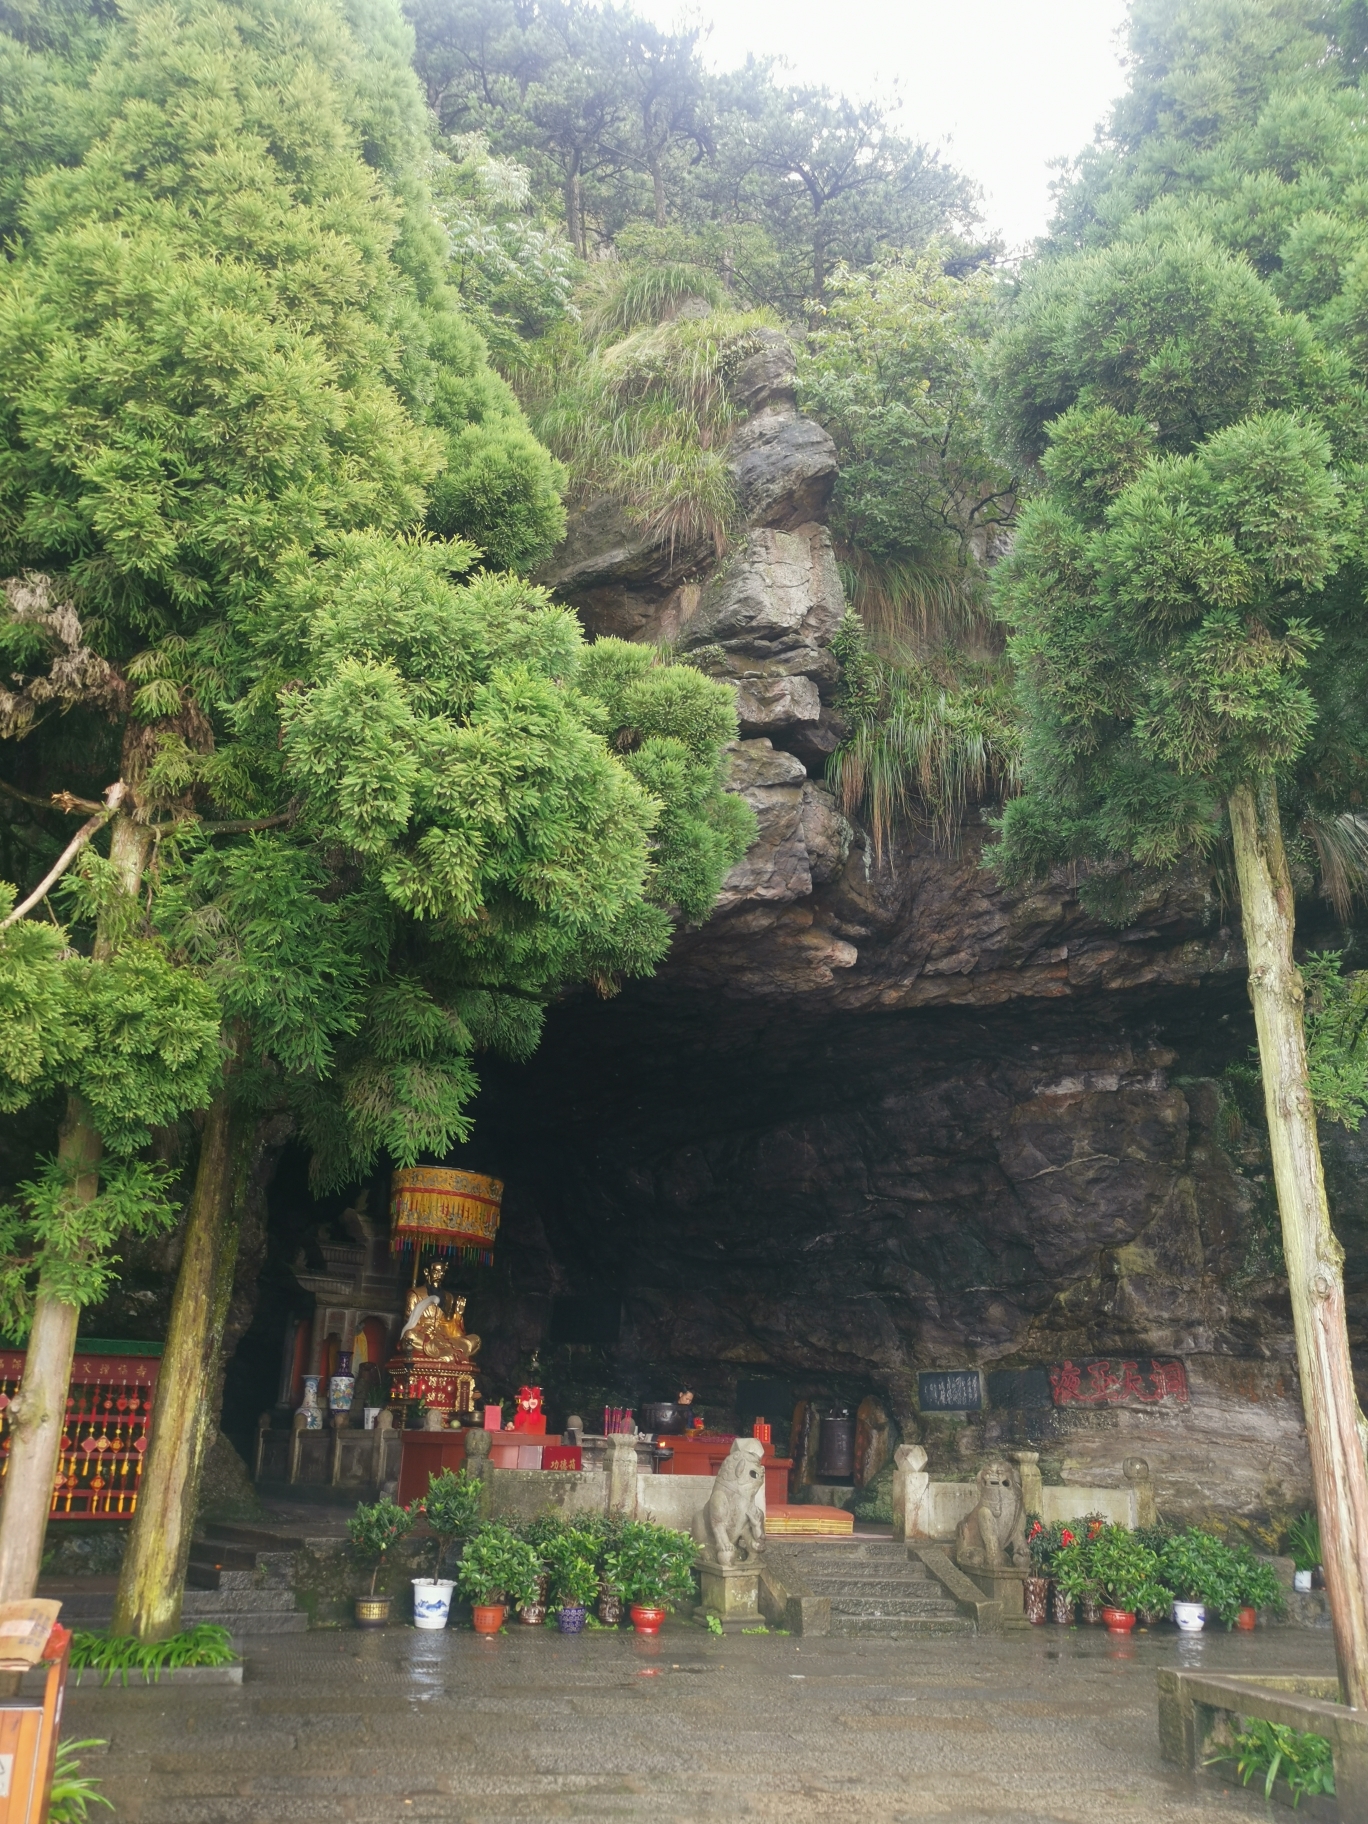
x,y
1004,85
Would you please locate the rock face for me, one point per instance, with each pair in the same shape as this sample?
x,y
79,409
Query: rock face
x,y
880,1115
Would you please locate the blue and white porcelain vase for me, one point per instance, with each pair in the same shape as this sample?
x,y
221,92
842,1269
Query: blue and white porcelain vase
x,y
313,1413
342,1384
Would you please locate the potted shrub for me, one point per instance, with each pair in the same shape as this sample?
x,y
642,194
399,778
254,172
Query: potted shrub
x,y
1257,1586
496,1568
574,1579
1126,1573
653,1567
1304,1547
1201,1574
372,1530
451,1507
1035,1588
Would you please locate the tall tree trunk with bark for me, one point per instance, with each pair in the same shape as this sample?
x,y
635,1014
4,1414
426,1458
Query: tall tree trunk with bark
x,y
40,1406
1313,1256
574,207
152,1577
39,1409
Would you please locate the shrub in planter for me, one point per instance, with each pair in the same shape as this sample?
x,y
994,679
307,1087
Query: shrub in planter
x,y
1197,1567
373,1529
497,1567
451,1508
652,1565
1113,1567
1256,1581
574,1574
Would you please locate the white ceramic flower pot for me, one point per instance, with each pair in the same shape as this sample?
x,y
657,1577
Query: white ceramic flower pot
x,y
1190,1616
431,1601
1301,1580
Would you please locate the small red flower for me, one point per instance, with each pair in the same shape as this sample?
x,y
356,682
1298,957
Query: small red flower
x,y
1036,1530
1067,1538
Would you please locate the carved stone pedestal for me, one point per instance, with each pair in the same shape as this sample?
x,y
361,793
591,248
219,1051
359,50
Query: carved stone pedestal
x,y
1003,1584
732,1593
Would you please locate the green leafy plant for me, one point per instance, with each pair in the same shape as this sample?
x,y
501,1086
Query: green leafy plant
x,y
715,1624
1256,1581
1197,1567
1304,1759
73,1793
1046,1542
120,1654
451,1507
652,1565
570,1560
497,1567
1304,1541
1110,1564
375,1528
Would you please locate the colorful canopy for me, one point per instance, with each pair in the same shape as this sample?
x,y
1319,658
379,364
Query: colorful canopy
x,y
453,1213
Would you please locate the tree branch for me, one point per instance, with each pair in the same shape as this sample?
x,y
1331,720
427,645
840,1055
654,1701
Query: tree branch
x,y
59,801
113,799
239,826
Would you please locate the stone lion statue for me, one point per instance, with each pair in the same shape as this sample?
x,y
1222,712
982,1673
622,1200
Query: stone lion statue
x,y
994,1533
734,1517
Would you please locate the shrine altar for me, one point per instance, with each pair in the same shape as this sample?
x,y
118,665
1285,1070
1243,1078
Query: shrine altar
x,y
428,1453
702,1453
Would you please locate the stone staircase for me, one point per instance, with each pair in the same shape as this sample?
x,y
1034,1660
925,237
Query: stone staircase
x,y
238,1578
876,1589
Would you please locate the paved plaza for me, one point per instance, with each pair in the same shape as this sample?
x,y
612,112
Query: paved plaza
x,y
1052,1724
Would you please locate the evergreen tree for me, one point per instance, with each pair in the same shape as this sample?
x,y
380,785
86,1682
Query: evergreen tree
x,y
1184,598
233,387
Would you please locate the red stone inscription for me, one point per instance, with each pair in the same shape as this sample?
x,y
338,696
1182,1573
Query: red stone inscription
x,y
1144,1382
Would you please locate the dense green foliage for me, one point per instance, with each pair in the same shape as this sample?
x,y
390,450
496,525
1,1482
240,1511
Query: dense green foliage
x,y
1273,1750
254,452
374,1528
498,1567
629,139
74,1792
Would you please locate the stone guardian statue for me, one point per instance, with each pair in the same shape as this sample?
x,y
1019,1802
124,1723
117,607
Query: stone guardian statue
x,y
734,1518
994,1534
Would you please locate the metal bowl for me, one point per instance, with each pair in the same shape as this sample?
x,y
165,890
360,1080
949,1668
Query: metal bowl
x,y
664,1415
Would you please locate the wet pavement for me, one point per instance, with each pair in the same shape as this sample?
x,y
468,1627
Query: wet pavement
x,y
532,1728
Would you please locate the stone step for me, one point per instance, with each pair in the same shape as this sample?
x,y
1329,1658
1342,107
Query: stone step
x,y
884,1627
210,1577
256,1538
213,1554
925,1588
241,1602
292,1621
224,1608
843,1551
893,1607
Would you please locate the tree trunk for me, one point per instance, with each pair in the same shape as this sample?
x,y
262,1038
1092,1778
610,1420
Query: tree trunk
x,y
658,189
40,1406
39,1409
152,1578
1313,1257
574,211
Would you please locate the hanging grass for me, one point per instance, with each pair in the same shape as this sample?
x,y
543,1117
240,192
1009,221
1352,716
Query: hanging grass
x,y
637,405
120,1654
926,737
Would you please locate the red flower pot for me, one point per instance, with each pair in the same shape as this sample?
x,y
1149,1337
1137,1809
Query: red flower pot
x,y
488,1617
1120,1621
1245,1620
646,1621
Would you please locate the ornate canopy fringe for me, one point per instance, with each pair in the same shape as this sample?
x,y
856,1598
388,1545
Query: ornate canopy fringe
x,y
453,1213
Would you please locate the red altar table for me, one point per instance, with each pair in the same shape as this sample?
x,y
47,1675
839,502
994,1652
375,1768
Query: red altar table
x,y
428,1453
702,1453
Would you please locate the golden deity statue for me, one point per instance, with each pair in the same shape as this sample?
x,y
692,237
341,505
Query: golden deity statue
x,y
434,1329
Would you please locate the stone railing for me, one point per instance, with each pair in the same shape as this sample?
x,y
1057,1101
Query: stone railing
x,y
924,1509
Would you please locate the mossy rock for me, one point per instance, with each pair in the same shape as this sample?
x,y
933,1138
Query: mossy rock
x,y
226,1491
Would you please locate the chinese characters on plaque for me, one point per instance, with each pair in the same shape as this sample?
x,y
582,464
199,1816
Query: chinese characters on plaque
x,y
950,1390
1146,1381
